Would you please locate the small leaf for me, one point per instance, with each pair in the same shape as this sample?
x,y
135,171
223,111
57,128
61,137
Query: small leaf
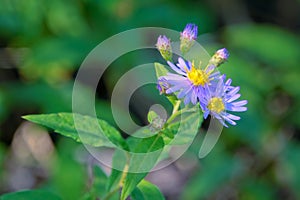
x,y
29,195
88,130
147,191
184,130
160,70
151,116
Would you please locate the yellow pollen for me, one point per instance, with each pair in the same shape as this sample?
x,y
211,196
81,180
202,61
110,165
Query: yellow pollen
x,y
216,105
197,76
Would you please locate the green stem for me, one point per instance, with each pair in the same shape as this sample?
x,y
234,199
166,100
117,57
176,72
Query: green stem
x,y
178,112
175,112
124,174
176,107
172,117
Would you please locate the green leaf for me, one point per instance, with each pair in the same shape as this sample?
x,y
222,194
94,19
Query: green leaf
x,y
184,130
88,130
160,70
146,154
146,191
30,195
151,116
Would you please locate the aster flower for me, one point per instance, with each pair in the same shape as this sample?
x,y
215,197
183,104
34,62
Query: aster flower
x,y
219,57
190,82
164,46
220,99
188,37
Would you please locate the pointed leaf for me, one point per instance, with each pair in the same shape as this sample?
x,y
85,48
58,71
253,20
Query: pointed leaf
x,y
88,130
147,191
160,70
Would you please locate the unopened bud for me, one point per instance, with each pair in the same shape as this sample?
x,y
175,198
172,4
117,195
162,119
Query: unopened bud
x,y
188,37
164,46
162,85
219,57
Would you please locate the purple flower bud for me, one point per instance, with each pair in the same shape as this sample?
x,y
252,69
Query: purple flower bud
x,y
190,32
223,54
164,46
188,37
162,85
219,57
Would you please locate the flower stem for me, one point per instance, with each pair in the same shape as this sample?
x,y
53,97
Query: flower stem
x,y
120,184
175,112
178,112
176,107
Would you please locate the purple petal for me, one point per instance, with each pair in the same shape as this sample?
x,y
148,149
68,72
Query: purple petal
x,y
187,99
176,68
234,91
228,82
237,109
233,117
183,65
240,103
184,92
206,113
229,120
194,97
234,97
173,89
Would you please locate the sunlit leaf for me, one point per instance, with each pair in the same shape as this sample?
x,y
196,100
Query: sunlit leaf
x,y
146,191
88,130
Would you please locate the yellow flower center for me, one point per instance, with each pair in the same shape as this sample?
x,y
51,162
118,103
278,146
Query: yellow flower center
x,y
197,76
216,105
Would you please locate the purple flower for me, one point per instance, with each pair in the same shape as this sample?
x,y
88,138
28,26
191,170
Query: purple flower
x,y
220,99
164,46
219,57
188,37
190,82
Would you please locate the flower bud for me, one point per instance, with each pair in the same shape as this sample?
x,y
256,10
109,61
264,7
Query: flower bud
x,y
162,85
188,37
219,57
164,46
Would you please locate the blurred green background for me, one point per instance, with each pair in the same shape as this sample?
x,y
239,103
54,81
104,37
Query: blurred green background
x,y
42,44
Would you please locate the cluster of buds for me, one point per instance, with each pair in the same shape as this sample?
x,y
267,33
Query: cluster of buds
x,y
187,40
